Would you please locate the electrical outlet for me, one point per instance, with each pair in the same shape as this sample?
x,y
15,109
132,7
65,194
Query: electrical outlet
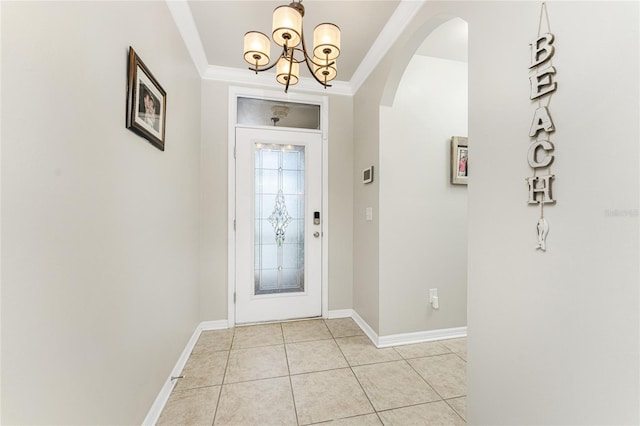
x,y
433,298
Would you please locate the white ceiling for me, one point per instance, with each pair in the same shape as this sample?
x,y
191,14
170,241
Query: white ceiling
x,y
213,31
448,41
222,25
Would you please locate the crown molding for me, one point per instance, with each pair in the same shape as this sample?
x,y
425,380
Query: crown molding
x,y
183,18
395,26
268,79
401,17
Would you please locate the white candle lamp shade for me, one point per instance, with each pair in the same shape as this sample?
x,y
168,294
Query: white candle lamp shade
x,y
257,48
287,26
326,41
282,72
324,72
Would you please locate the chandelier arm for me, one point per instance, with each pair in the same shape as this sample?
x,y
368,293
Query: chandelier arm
x,y
286,87
256,69
282,55
314,75
307,60
310,59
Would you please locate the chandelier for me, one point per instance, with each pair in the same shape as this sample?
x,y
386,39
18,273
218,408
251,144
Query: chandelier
x,y
287,33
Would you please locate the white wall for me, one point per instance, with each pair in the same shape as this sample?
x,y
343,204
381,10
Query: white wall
x,y
214,216
553,337
423,217
99,227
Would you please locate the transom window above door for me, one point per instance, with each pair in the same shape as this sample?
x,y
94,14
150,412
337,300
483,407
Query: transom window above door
x,y
263,112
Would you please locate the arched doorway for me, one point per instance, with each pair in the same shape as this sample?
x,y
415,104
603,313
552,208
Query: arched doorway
x,y
423,216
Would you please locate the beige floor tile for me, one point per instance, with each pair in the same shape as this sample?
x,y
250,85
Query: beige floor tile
x,y
317,355
433,413
302,331
422,349
343,327
214,340
445,373
328,395
256,363
203,369
359,351
190,407
457,346
459,405
366,420
394,384
257,335
263,402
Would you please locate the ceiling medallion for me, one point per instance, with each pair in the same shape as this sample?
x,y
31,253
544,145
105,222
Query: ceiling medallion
x,y
288,34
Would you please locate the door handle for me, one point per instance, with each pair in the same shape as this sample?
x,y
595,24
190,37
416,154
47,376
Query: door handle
x,y
316,234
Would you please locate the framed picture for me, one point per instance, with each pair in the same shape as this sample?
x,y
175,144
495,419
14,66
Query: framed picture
x,y
459,160
146,102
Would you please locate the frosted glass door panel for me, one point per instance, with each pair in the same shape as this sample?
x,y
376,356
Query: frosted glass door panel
x,y
262,112
279,218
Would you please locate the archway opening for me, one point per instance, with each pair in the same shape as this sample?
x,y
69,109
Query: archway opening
x,y
423,216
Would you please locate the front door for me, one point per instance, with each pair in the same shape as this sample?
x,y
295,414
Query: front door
x,y
278,224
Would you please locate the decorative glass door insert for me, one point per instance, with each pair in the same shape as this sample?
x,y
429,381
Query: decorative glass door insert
x,y
279,218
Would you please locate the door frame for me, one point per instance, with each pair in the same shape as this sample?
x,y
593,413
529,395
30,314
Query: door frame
x,y
323,102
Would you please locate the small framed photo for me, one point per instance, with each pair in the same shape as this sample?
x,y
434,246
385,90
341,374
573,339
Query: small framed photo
x,y
459,160
367,175
146,102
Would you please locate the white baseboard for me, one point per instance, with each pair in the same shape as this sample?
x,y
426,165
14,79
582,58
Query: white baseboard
x,y
339,313
421,336
158,405
372,335
399,339
214,325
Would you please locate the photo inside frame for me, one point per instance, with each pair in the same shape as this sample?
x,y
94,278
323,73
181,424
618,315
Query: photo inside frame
x,y
462,163
149,107
148,112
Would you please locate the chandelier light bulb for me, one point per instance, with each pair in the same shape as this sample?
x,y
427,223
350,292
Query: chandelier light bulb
x,y
287,26
282,72
326,41
256,48
324,72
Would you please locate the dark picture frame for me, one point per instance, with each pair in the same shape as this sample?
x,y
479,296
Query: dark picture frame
x,y
459,160
146,102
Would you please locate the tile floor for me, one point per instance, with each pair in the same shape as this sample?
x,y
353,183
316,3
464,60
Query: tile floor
x,y
317,371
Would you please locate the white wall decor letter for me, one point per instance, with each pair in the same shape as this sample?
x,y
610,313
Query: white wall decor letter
x,y
541,50
532,158
542,82
544,189
541,121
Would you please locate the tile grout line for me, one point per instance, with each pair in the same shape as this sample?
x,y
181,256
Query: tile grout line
x,y
436,391
223,377
425,380
454,410
293,396
359,384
